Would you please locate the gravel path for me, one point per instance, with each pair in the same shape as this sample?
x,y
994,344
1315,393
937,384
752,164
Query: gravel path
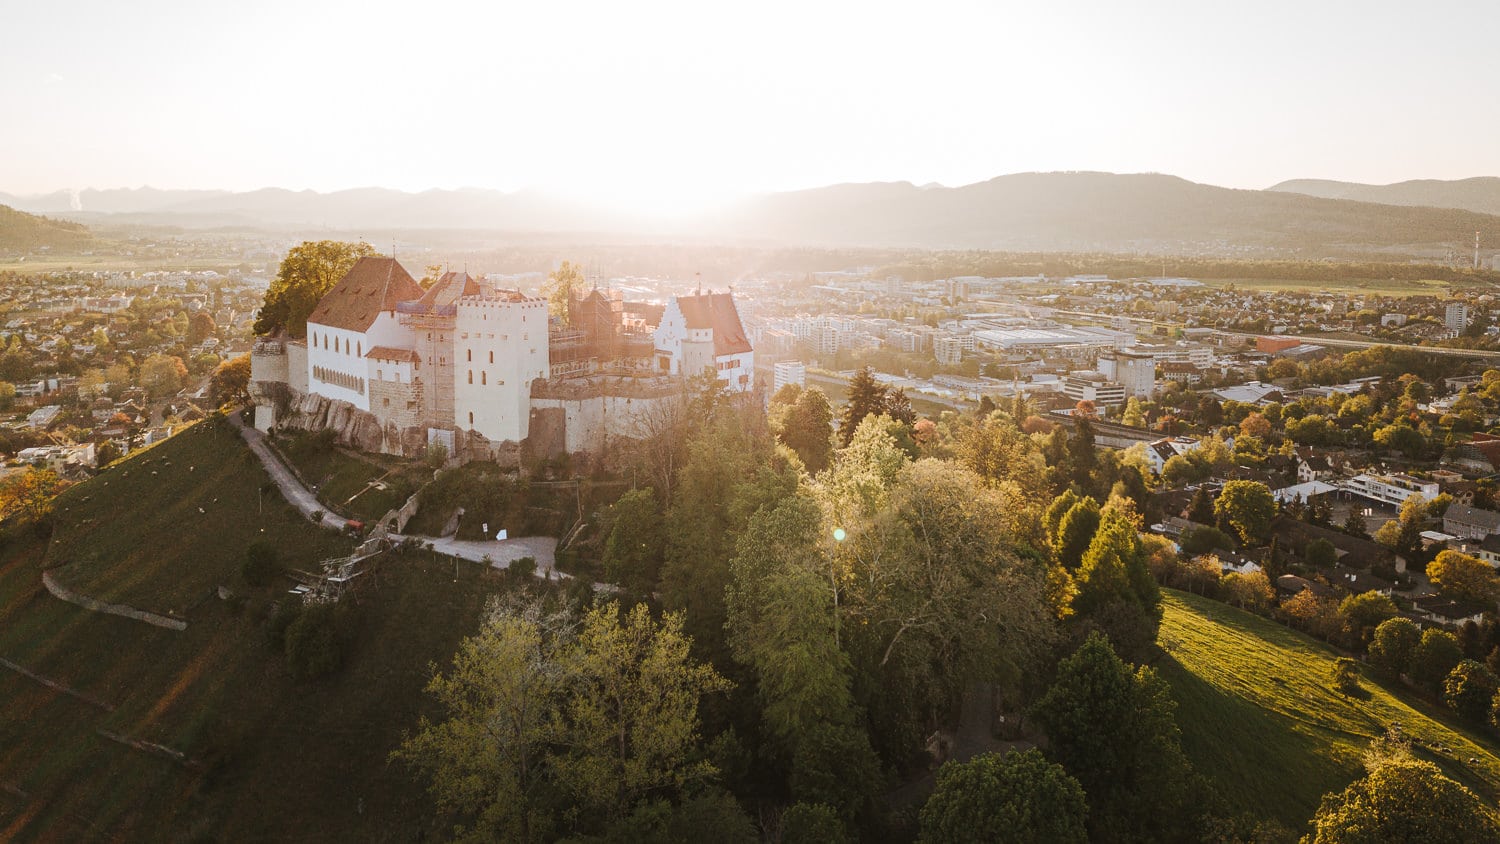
x,y
499,554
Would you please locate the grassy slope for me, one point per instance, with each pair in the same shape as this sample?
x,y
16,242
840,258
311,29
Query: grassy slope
x,y
340,475
1260,718
286,760
134,535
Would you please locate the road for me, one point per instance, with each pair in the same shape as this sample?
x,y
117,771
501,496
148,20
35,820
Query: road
x,y
499,554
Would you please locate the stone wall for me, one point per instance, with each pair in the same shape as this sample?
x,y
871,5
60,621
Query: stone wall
x,y
397,403
352,427
64,594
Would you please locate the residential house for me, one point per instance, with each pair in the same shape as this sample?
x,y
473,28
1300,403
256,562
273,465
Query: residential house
x,y
1469,522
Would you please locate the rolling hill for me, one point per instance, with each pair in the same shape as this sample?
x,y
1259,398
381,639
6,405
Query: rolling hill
x,y
264,757
1480,194
28,233
1261,720
1046,212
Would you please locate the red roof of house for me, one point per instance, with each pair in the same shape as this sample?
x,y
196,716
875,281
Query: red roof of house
x,y
716,311
393,353
372,285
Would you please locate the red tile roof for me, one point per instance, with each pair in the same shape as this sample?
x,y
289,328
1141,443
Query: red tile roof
x,y
393,353
716,311
372,285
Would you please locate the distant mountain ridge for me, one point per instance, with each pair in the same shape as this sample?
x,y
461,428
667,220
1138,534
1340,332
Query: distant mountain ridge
x,y
1480,194
22,232
1063,211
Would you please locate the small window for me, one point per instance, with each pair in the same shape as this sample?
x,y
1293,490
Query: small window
x,y
470,353
471,376
484,377
471,417
386,402
492,356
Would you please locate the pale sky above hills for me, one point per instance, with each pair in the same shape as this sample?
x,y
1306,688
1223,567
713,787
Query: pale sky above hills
x,y
668,104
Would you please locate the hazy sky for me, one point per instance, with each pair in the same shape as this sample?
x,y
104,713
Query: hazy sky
x,y
676,102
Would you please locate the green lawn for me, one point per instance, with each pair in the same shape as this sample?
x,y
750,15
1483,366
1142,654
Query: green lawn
x,y
1260,719
344,479
162,529
282,760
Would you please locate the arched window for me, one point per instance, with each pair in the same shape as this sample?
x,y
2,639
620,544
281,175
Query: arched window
x,y
471,418
484,377
492,356
471,376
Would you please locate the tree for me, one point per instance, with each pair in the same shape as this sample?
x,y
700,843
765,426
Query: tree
x,y
1464,578
1076,531
806,427
30,494
1402,799
1204,539
1251,590
1320,553
1354,524
200,327
866,397
1247,507
306,274
1434,657
812,823
1053,516
555,724
782,624
106,454
1114,730
1345,676
633,550
262,563
1001,453
1470,689
563,285
1017,797
1364,613
1314,613
162,375
1392,646
312,644
1255,425
1201,508
230,383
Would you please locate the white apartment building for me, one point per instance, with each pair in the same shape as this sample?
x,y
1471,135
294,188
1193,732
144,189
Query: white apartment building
x,y
1094,387
1391,489
788,372
1135,371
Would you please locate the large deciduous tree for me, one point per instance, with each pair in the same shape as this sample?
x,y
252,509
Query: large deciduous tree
x,y
1402,799
559,724
1019,797
563,285
230,383
1114,730
1464,578
306,274
1247,508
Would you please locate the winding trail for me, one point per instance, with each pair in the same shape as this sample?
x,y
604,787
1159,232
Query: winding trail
x,y
497,553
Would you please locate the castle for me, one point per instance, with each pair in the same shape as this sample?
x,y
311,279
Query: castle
x,y
483,371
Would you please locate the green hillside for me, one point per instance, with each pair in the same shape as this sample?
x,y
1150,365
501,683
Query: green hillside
x,y
29,233
266,757
1261,720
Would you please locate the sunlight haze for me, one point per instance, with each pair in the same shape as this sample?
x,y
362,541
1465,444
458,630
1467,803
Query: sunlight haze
x,y
665,106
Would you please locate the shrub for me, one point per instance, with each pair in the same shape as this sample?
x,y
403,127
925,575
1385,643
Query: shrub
x,y
1205,540
286,613
1346,676
812,823
262,563
312,643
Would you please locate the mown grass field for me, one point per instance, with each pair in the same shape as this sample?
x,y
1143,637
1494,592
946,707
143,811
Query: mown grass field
x,y
162,529
1260,718
273,758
